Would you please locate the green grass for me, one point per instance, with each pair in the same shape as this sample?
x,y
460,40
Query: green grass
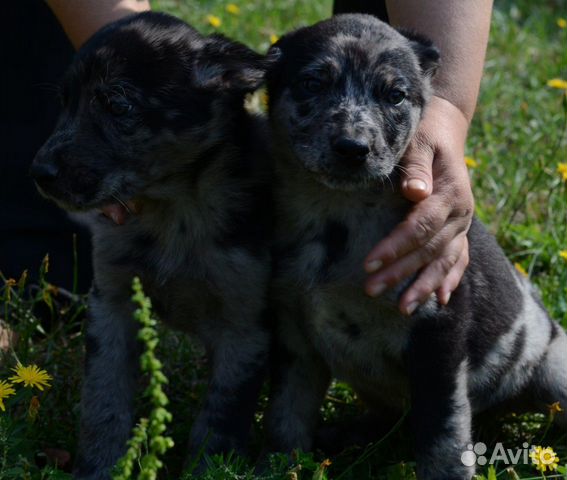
x,y
517,138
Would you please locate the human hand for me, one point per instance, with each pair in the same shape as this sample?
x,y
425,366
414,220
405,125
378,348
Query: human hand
x,y
432,239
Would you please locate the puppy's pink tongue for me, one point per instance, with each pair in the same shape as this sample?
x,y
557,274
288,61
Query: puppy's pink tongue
x,y
116,212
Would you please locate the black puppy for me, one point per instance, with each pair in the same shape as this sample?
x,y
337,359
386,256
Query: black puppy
x,y
345,99
153,111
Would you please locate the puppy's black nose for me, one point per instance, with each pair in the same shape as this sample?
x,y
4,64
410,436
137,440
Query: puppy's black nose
x,y
352,150
44,171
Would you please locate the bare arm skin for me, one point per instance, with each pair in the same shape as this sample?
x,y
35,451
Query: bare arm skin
x,y
432,239
81,18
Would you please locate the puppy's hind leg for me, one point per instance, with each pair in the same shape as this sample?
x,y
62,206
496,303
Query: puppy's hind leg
x,y
111,373
549,381
441,411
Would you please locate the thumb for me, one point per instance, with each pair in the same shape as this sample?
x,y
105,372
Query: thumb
x,y
417,181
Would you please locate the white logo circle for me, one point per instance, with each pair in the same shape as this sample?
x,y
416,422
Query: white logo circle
x,y
468,458
474,455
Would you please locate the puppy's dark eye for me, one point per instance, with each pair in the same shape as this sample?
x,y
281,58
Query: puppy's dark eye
x,y
118,107
312,85
396,96
113,104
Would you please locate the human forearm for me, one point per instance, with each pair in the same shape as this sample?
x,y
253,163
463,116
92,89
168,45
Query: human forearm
x,y
81,18
459,28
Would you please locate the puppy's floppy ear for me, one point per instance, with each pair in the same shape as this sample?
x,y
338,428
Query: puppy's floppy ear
x,y
226,65
427,53
275,58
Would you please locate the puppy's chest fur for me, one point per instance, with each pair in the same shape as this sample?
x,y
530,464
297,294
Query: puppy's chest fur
x,y
200,246
322,242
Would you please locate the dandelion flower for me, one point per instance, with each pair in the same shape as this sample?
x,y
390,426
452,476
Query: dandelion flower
x,y
562,170
557,83
544,458
561,23
471,162
233,9
6,389
563,254
31,376
521,269
274,38
214,21
555,407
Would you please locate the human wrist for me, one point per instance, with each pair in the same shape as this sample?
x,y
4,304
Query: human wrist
x,y
449,117
459,111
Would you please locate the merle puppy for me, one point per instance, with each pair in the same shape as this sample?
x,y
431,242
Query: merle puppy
x,y
153,111
346,96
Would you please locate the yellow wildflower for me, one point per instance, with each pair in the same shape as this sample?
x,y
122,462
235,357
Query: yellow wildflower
x,y
6,389
557,83
544,458
521,269
31,376
214,21
562,170
555,407
471,162
561,23
233,9
563,254
274,38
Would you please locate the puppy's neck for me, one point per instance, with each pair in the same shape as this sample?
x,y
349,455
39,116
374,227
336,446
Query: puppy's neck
x,y
292,176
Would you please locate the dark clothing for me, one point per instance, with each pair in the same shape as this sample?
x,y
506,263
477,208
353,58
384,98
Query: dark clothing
x,y
35,53
374,7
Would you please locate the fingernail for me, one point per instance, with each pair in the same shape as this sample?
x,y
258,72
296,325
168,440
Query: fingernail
x,y
417,184
373,266
411,307
376,289
446,298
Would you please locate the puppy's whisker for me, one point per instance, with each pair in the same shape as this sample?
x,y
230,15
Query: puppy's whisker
x,y
121,202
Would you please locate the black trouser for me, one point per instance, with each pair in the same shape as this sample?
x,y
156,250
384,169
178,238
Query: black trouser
x,y
374,7
35,54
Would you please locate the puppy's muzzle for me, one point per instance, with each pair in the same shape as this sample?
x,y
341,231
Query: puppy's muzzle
x,y
44,173
351,152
